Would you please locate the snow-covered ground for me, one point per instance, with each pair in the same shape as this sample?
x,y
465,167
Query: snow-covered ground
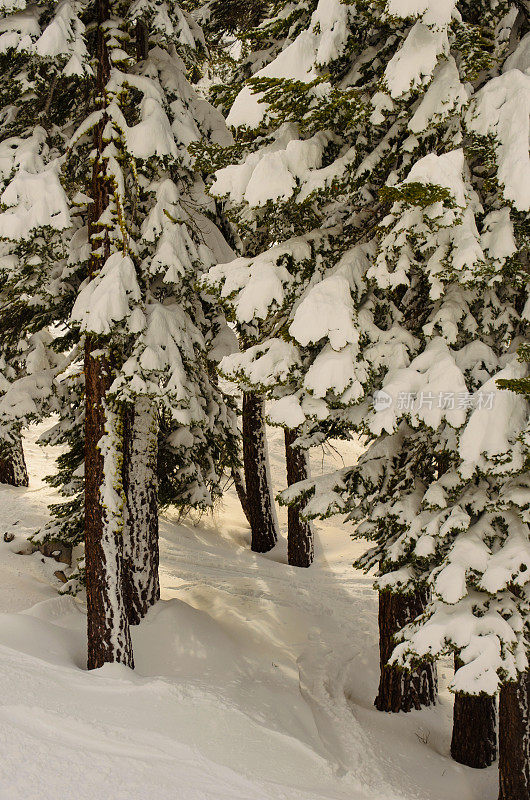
x,y
253,680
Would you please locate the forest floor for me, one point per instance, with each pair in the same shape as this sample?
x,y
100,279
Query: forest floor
x,y
254,680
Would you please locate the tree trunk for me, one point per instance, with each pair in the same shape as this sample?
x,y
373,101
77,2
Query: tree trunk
x,y
300,546
400,690
474,740
514,740
142,40
141,585
13,470
260,504
108,628
239,484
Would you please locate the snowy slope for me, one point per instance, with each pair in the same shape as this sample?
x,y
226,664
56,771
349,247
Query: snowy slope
x,y
254,680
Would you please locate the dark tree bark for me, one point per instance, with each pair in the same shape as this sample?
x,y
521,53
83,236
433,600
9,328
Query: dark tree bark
x,y
141,586
514,740
300,535
401,690
260,504
474,740
108,628
142,40
239,484
13,470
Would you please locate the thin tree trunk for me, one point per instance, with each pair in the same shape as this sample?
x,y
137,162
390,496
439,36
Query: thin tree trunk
x,y
108,628
239,484
514,740
300,534
13,470
474,740
141,584
142,40
260,504
400,690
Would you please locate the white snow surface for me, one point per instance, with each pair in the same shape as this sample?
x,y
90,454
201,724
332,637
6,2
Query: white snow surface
x,y
253,680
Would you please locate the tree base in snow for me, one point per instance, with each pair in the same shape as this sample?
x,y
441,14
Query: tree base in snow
x,y
474,740
514,740
400,690
108,632
300,547
257,480
141,585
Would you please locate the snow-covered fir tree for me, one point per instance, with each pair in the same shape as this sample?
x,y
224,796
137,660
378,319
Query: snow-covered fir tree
x,y
257,49
376,193
147,231
278,131
157,238
42,59
450,492
514,741
416,123
440,182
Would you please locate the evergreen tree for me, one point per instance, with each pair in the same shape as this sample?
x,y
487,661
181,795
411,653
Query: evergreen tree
x,y
514,720
403,150
144,232
442,308
259,46
473,326
267,208
143,299
66,528
43,250
13,468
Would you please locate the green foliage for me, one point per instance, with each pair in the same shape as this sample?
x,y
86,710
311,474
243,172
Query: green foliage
x,y
417,194
476,46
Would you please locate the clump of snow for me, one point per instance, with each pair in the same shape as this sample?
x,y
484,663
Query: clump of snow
x,y
414,63
274,172
432,12
427,379
255,285
321,43
492,431
107,298
326,311
33,200
296,62
445,170
502,109
497,238
445,95
264,364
